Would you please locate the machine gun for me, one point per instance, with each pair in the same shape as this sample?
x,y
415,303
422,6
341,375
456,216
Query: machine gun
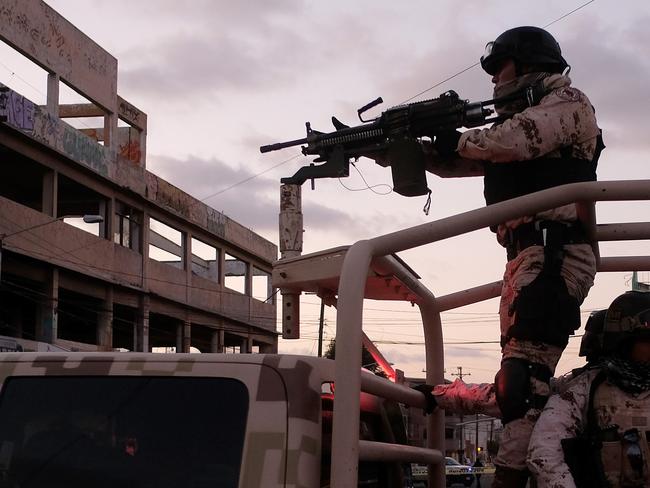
x,y
390,135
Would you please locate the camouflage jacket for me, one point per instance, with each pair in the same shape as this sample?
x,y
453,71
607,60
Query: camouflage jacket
x,y
565,416
563,117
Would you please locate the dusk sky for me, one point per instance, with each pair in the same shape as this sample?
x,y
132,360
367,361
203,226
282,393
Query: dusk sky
x,y
219,78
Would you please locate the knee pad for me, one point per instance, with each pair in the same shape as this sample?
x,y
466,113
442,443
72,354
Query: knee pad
x,y
512,389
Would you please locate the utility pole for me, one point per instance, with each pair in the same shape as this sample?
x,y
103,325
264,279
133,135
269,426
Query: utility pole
x,y
321,323
461,432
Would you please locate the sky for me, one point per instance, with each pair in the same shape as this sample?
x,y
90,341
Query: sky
x,y
220,78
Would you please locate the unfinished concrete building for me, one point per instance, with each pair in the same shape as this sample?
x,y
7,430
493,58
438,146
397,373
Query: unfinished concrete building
x,y
161,269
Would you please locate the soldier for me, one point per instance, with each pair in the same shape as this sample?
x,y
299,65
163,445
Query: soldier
x,y
608,408
473,398
547,137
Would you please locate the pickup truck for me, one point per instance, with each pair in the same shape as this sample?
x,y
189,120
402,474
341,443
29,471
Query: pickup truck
x,y
172,420
255,421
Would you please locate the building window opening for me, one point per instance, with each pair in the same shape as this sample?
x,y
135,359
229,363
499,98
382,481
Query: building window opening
x,y
78,317
75,200
262,289
16,69
165,244
235,273
128,226
205,260
80,113
22,179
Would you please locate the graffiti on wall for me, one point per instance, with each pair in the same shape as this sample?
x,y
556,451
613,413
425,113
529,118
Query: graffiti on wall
x,y
216,222
16,110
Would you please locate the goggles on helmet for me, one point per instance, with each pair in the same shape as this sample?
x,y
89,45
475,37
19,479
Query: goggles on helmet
x,y
636,323
492,57
488,49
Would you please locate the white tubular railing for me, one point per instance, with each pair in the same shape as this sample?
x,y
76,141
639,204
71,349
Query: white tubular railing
x,y
345,436
379,451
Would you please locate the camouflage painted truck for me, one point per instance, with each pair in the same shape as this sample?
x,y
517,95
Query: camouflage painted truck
x,y
253,420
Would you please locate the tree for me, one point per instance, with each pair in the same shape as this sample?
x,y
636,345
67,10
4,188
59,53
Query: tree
x,y
367,361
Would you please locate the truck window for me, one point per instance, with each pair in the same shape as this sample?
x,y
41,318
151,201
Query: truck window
x,y
141,432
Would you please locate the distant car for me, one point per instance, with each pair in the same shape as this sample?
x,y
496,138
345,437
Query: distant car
x,y
455,474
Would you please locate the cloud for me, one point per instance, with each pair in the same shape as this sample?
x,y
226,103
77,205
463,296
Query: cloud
x,y
206,178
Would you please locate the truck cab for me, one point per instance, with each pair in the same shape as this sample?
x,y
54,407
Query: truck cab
x,y
169,420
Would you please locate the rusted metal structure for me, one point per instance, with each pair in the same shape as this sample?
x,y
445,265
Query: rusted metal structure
x,y
163,269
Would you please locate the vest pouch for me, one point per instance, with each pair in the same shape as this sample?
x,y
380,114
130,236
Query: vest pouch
x,y
634,461
580,455
611,458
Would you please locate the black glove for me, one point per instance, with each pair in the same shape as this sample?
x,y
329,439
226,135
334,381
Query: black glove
x,y
432,404
446,142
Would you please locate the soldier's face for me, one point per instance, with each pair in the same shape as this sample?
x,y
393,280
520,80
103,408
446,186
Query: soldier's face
x,y
506,72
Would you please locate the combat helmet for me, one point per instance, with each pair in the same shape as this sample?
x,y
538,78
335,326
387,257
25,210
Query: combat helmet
x,y
627,319
591,344
526,46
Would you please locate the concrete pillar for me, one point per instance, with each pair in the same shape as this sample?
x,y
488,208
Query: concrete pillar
x,y
186,242
142,136
145,251
217,341
187,335
183,336
180,326
248,280
110,131
142,325
47,326
246,345
52,101
50,193
107,210
135,233
105,322
221,259
290,246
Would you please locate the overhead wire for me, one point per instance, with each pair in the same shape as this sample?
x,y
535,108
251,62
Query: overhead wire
x,y
477,63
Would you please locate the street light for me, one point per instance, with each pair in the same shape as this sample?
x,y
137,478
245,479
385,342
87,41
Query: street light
x,y
88,219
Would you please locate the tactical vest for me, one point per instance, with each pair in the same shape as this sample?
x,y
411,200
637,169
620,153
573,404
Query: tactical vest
x,y
504,181
625,458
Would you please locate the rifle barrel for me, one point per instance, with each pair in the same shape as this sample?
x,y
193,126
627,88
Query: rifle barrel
x,y
282,145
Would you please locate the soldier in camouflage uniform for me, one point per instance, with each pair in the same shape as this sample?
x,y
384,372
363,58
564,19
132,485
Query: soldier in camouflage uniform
x,y
547,137
473,398
608,409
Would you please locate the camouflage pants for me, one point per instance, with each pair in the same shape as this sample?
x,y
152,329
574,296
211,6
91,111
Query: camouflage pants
x,y
578,271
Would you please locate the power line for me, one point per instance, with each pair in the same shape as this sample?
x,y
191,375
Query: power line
x,y
245,180
476,64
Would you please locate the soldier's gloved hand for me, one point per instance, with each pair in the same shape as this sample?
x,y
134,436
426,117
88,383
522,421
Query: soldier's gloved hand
x,y
446,142
432,404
